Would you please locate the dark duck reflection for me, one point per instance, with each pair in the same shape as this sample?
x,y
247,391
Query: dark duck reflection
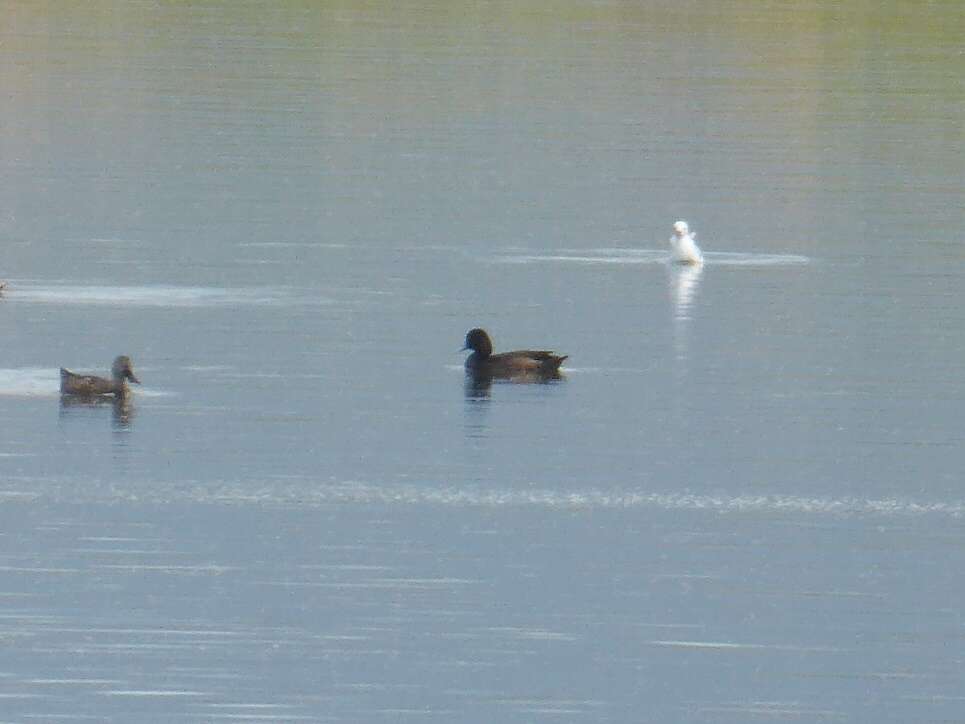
x,y
478,387
77,385
122,411
525,365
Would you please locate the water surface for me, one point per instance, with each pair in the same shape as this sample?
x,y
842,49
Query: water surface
x,y
742,503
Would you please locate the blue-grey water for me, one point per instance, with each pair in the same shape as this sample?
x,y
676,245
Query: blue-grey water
x,y
744,503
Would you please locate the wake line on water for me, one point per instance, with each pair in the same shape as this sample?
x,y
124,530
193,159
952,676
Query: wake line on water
x,y
303,492
598,499
651,256
151,296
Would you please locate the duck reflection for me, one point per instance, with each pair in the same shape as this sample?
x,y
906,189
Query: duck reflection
x,y
478,387
479,384
475,421
122,407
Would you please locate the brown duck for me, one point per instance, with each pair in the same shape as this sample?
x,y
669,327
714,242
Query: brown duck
x,y
520,364
91,386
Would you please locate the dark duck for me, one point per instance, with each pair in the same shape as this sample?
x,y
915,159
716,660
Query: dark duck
x,y
520,365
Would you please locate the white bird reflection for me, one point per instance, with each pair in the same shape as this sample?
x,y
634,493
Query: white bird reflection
x,y
684,284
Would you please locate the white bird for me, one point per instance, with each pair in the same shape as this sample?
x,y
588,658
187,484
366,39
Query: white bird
x,y
684,246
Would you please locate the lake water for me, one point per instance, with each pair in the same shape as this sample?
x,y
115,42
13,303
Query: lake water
x,y
744,502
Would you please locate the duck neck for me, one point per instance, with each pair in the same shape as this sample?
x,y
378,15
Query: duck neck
x,y
483,348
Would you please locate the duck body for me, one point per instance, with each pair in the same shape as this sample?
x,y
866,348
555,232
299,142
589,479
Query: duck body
x,y
683,245
519,364
122,370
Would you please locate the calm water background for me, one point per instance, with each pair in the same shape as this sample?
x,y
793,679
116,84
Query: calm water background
x,y
745,501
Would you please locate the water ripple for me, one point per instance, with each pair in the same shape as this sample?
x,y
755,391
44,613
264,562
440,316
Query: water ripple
x,y
307,492
648,256
152,295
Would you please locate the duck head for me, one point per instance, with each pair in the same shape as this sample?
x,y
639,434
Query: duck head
x,y
681,229
478,341
122,369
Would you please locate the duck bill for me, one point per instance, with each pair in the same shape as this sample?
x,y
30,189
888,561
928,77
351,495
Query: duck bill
x,y
132,378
